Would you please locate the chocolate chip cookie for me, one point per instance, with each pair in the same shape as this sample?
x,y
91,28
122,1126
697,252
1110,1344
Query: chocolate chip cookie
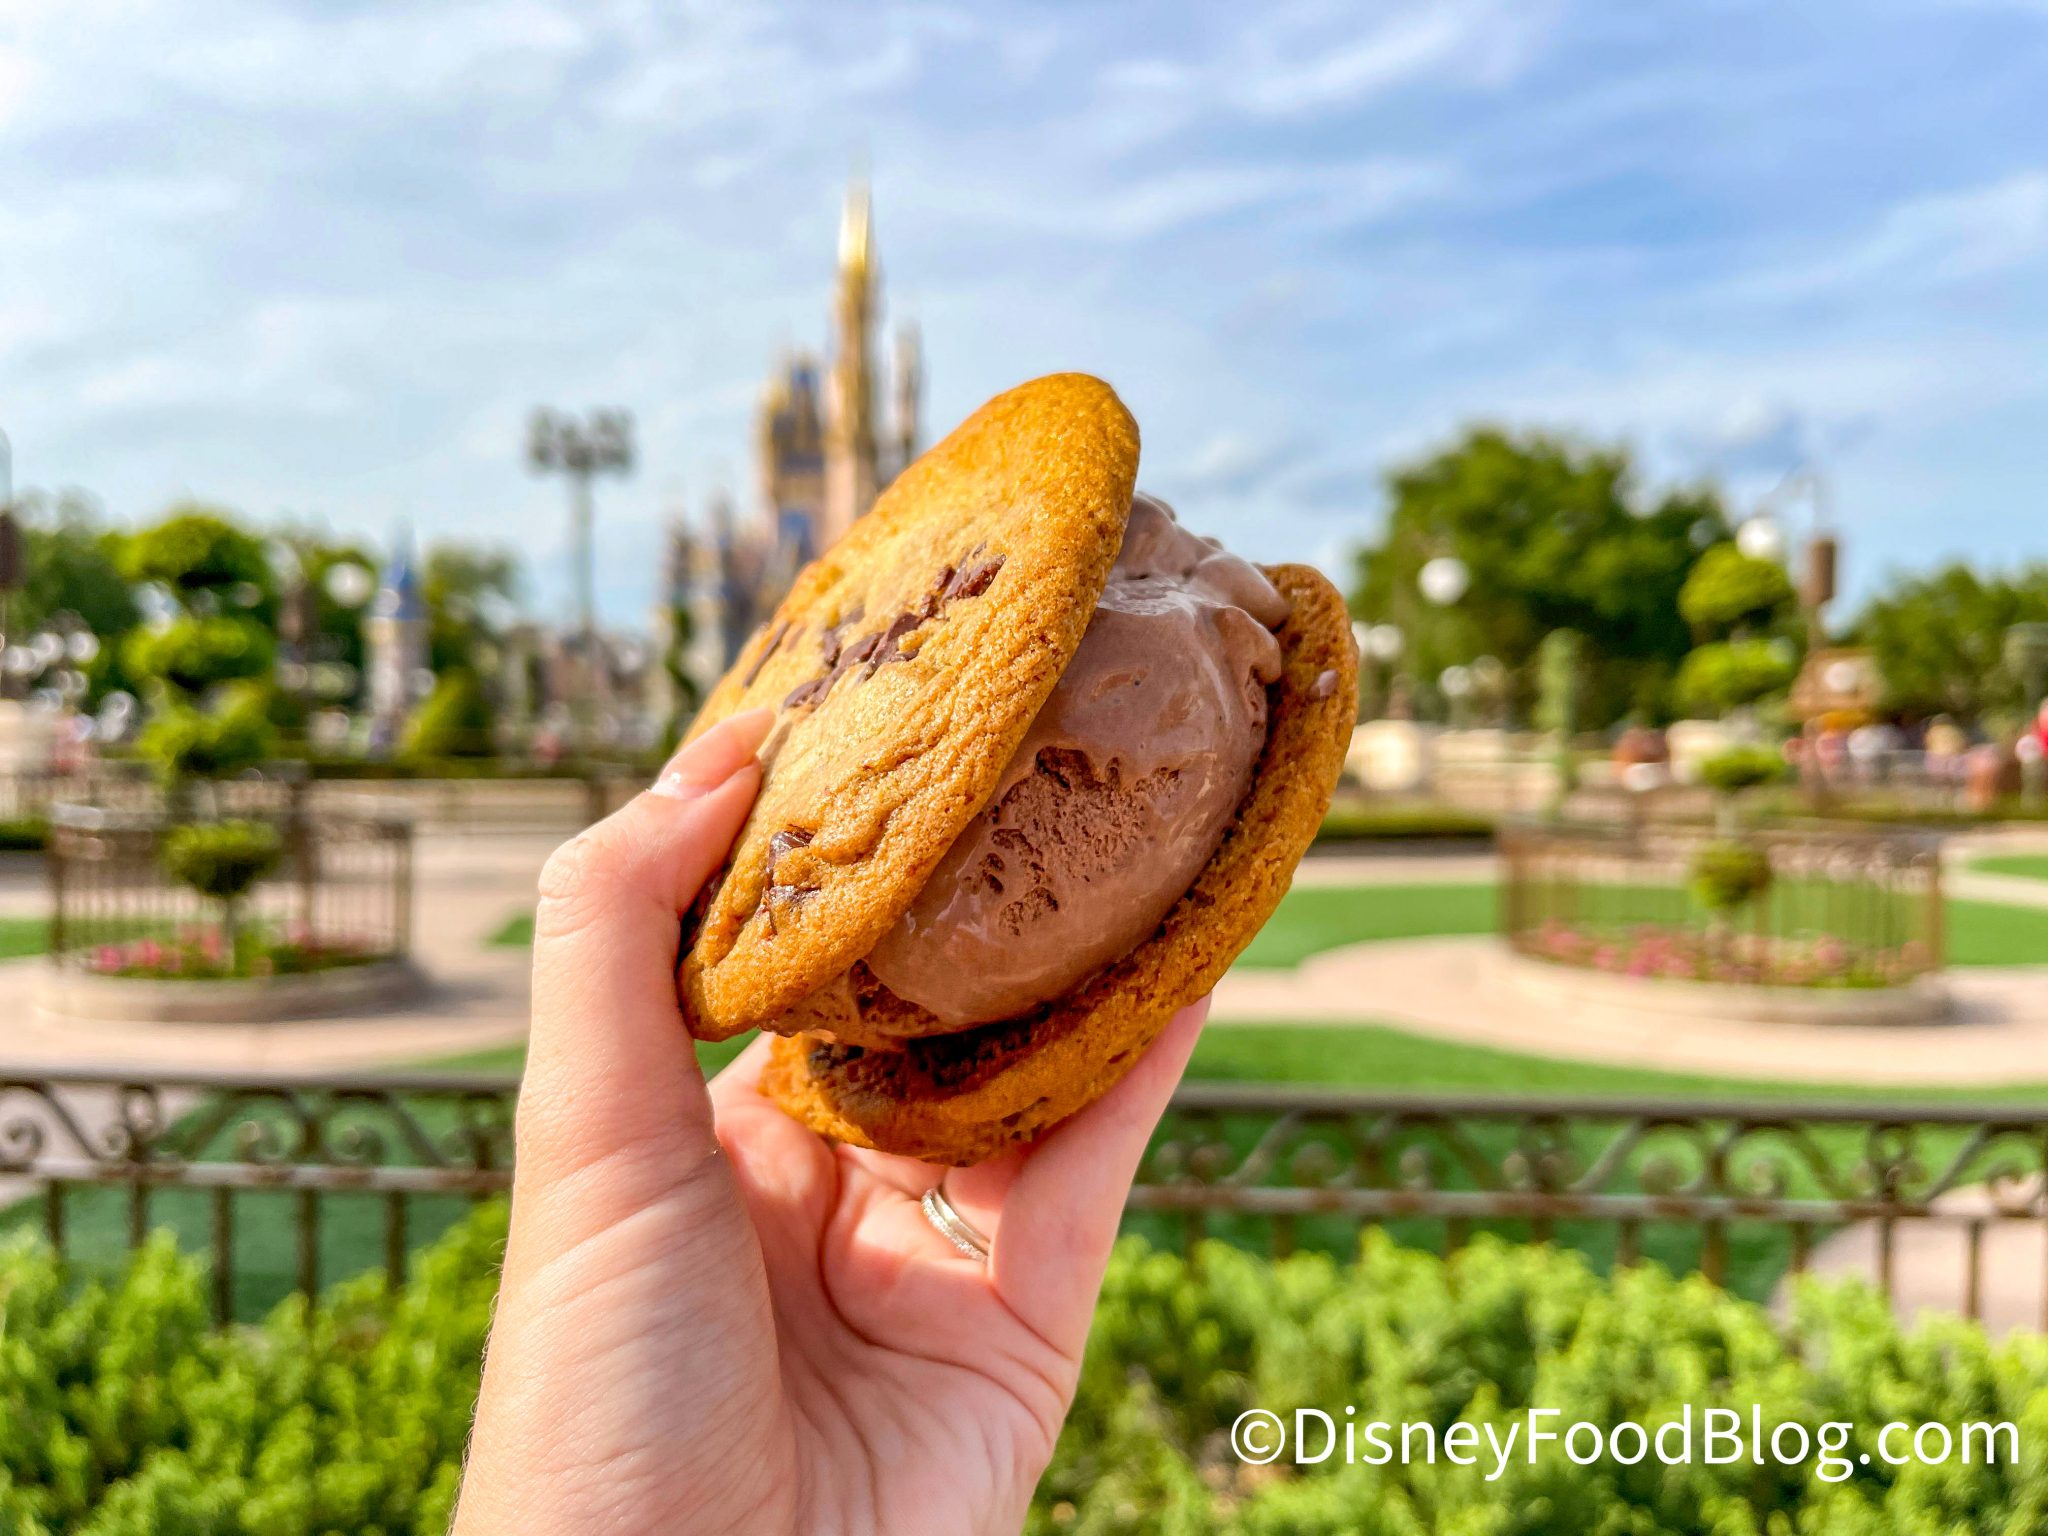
x,y
906,664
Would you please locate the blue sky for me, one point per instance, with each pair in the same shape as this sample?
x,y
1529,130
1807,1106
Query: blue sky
x,y
322,258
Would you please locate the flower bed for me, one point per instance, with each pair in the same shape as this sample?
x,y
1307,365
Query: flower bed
x,y
201,953
1676,952
269,913
1782,908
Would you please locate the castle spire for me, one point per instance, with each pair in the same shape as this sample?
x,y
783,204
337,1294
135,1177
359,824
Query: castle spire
x,y
851,473
856,227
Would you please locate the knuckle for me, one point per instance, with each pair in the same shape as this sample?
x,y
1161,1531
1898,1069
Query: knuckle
x,y
575,884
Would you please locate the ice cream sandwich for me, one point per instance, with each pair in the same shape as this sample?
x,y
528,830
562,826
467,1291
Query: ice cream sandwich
x,y
1044,762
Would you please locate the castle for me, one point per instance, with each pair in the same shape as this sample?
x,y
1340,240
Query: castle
x,y
824,448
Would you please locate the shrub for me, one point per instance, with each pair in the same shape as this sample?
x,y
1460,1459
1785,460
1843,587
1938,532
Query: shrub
x,y
206,668
187,744
193,652
1728,588
1400,821
455,721
1738,768
127,1415
195,550
1727,875
222,859
1728,674
1403,1336
24,834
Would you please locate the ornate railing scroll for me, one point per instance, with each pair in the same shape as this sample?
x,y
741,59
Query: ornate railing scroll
x,y
1740,1188
394,1142
1769,1177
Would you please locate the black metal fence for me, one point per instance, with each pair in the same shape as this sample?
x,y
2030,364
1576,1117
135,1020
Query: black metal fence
x,y
1843,905
342,889
289,1182
284,1182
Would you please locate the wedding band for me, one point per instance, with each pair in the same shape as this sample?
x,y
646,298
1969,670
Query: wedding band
x,y
952,1226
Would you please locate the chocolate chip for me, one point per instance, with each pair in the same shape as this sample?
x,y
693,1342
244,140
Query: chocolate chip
x,y
782,842
858,652
887,650
783,898
1324,685
973,578
879,647
809,691
754,667
833,640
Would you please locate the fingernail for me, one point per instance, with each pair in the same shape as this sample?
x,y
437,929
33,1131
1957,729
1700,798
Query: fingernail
x,y
714,757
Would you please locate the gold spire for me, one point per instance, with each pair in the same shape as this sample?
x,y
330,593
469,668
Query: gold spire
x,y
856,227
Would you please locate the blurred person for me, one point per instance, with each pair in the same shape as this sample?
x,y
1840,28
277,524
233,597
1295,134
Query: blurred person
x,y
1984,775
1831,753
1871,746
712,1320
1945,745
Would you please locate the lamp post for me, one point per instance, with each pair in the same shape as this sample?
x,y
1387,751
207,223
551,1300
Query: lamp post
x,y
1443,581
600,444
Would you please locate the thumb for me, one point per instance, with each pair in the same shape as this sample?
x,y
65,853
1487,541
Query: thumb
x,y
611,1070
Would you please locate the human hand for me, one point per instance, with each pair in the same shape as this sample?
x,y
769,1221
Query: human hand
x,y
712,1320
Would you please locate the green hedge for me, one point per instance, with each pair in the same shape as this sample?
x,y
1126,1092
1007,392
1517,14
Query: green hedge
x,y
126,1414
25,834
1400,821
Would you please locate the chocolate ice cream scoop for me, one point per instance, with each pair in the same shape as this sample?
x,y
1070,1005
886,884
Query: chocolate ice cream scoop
x,y
1118,796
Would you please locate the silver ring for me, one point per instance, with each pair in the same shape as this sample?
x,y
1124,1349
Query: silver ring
x,y
952,1226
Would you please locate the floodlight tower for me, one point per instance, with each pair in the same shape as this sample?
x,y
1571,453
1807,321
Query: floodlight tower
x,y
600,444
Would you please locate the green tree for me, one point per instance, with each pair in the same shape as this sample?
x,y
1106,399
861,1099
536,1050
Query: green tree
x,y
1726,675
456,720
223,860
1729,591
335,636
675,666
461,585
74,577
1560,671
207,666
1556,535
1939,639
1745,613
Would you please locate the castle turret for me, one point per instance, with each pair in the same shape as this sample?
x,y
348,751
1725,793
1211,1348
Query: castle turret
x,y
395,637
909,390
850,469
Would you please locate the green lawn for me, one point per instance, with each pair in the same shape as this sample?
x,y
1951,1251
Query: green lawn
x,y
2033,866
517,932
20,936
1313,918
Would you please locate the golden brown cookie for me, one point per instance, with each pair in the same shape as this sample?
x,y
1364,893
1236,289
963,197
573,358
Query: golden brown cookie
x,y
964,1097
907,664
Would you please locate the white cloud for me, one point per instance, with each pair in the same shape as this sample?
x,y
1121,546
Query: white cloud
x,y
1467,42
1923,241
